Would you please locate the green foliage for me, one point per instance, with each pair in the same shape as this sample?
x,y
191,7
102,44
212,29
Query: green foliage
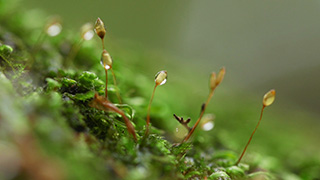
x,y
219,175
50,103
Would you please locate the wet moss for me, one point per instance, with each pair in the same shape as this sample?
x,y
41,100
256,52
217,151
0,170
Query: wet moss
x,y
48,101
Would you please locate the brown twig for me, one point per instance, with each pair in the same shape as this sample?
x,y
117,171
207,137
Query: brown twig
x,y
183,122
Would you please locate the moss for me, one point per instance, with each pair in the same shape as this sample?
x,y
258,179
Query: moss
x,y
50,103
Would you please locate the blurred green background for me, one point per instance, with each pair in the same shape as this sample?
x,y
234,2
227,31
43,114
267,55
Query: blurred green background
x,y
263,44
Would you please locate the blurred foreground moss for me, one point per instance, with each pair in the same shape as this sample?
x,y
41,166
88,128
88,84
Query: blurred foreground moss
x,y
48,130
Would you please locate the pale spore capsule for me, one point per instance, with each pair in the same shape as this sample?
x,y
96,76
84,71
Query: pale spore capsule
x,y
161,77
99,28
106,60
269,97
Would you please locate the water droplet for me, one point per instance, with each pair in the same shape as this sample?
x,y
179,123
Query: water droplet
x,y
105,66
106,60
207,122
180,132
87,32
54,29
208,126
269,97
88,35
161,77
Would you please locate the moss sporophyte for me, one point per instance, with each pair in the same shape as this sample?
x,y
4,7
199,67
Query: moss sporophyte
x,y
267,100
215,80
123,137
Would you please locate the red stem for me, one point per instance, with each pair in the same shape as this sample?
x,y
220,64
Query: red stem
x,y
251,136
102,39
200,117
109,105
149,107
106,91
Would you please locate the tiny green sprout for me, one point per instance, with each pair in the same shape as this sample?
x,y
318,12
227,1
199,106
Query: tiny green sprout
x,y
5,50
213,82
100,29
267,100
160,79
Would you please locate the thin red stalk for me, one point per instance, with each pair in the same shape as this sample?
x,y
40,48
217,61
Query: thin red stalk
x,y
102,103
251,136
102,40
106,91
149,107
200,117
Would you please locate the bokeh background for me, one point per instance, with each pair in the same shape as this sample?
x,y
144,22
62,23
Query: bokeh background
x,y
263,44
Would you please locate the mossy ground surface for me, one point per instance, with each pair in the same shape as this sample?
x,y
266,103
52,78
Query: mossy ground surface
x,y
48,130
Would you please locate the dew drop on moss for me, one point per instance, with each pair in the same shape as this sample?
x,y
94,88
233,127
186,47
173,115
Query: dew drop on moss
x,y
54,29
106,60
161,77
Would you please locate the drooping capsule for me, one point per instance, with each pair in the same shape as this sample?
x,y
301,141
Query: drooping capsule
x,y
54,27
213,78
269,97
106,60
161,78
99,28
220,77
87,32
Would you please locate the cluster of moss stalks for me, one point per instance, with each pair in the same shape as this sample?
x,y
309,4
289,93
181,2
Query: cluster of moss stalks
x,y
50,129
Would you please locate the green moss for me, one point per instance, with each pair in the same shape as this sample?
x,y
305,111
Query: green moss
x,y
220,175
50,103
235,172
